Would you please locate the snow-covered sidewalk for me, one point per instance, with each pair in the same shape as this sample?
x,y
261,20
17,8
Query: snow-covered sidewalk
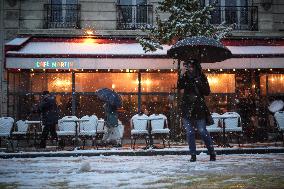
x,y
174,150
229,171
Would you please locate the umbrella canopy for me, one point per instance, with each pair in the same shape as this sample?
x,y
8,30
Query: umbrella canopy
x,y
203,49
109,96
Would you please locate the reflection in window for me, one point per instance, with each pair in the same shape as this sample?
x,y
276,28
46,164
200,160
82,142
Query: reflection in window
x,y
272,83
221,83
120,82
53,82
158,82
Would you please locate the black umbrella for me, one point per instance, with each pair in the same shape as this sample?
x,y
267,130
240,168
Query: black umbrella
x,y
109,96
203,49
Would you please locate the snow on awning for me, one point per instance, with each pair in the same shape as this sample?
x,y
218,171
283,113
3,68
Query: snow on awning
x,y
88,54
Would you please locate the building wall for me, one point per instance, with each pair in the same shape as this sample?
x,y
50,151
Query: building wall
x,y
27,17
1,52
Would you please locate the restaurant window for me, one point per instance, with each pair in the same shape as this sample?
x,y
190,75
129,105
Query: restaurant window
x,y
158,82
53,82
222,83
272,84
120,82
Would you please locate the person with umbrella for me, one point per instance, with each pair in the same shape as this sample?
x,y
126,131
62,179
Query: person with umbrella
x,y
112,101
194,110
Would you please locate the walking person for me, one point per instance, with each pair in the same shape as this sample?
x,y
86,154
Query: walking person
x,y
49,116
195,113
112,135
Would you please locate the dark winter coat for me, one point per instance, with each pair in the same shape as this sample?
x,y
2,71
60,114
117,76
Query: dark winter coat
x,y
193,103
48,110
111,117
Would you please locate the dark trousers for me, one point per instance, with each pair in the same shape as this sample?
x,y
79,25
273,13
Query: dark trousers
x,y
48,128
190,133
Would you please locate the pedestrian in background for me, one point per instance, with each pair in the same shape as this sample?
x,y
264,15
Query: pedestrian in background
x,y
49,116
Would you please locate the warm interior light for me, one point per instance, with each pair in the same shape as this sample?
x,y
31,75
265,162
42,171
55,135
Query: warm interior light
x,y
89,41
113,86
90,32
148,82
61,84
221,83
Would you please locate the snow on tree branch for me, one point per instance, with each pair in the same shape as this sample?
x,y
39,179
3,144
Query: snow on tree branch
x,y
186,18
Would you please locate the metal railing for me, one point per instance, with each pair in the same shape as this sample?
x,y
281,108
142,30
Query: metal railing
x,y
62,15
243,17
134,16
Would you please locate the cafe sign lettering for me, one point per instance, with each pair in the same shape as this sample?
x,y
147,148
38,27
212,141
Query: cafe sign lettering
x,y
54,64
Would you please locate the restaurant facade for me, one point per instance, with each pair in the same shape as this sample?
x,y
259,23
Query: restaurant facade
x,y
50,48
74,68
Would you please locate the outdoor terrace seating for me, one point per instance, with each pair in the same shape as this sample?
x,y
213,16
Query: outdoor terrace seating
x,y
279,117
233,125
159,127
21,131
6,126
215,129
66,128
139,128
88,129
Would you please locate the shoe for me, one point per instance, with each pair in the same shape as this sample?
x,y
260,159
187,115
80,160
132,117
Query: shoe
x,y
193,158
212,157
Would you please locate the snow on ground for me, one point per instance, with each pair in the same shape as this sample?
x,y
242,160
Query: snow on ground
x,y
172,171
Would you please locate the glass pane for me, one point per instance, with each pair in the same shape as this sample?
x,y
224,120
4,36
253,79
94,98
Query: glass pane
x,y
275,83
221,103
71,1
120,82
221,83
216,14
152,104
263,84
158,82
125,2
89,105
64,103
53,82
141,2
56,1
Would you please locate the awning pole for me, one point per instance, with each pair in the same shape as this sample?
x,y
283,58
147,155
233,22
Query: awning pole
x,y
139,91
73,95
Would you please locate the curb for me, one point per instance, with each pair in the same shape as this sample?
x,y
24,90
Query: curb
x,y
138,153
